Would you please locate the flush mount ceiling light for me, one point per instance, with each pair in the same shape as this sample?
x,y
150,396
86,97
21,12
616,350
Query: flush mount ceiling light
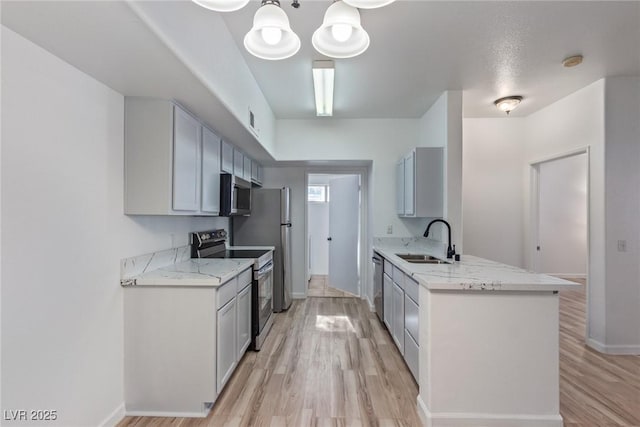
x,y
368,4
572,61
508,103
271,36
323,77
341,35
222,5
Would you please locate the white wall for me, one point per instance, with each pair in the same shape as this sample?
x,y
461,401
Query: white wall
x,y
441,126
62,191
562,216
575,122
622,212
229,79
383,141
493,155
318,223
295,178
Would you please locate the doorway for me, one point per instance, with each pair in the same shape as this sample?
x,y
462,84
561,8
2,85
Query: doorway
x,y
334,234
560,222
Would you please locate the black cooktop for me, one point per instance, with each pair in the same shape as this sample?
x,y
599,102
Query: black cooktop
x,y
239,253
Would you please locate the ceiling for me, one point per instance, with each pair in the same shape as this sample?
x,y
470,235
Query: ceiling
x,y
421,48
418,50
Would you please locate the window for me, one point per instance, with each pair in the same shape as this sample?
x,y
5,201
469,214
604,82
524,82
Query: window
x,y
318,193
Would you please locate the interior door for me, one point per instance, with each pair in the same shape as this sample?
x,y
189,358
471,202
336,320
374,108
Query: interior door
x,y
344,208
562,216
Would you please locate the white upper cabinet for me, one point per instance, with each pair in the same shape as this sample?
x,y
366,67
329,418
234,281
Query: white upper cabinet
x,y
400,187
226,155
246,174
238,163
186,161
254,172
210,172
162,157
420,183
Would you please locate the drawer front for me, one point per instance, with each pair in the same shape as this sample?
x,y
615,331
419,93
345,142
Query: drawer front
x,y
388,268
398,276
244,278
411,318
412,289
227,292
412,355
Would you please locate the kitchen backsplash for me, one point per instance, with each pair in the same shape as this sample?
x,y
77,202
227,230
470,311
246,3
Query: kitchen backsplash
x,y
131,267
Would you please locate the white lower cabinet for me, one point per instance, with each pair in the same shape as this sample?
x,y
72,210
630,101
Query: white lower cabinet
x,y
401,313
387,300
398,317
182,344
244,320
226,337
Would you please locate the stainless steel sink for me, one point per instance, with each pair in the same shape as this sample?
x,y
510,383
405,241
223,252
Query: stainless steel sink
x,y
421,259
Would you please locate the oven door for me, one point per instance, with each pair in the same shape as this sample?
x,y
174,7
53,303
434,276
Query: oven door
x,y
263,297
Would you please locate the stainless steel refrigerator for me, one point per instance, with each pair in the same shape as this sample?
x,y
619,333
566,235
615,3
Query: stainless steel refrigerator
x,y
269,225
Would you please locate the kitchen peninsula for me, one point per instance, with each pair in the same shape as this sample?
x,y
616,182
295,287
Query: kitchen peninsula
x,y
488,338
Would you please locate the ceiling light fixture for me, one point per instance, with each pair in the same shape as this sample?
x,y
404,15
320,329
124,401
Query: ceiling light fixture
x,y
222,5
368,4
323,78
271,36
572,61
508,103
341,35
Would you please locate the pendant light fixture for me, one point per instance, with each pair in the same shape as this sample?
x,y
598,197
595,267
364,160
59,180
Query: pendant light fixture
x,y
508,103
368,4
341,35
271,36
222,5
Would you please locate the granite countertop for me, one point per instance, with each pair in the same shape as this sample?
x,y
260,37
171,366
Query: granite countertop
x,y
195,272
470,273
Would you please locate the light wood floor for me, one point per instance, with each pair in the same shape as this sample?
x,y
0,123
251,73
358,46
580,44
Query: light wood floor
x,y
319,287
595,389
328,361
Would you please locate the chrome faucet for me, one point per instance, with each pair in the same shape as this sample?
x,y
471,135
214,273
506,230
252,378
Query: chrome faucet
x,y
450,251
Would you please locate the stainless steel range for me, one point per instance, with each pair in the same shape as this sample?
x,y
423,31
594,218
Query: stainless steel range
x,y
212,244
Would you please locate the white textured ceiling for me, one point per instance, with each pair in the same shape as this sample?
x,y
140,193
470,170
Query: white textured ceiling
x,y
418,50
421,48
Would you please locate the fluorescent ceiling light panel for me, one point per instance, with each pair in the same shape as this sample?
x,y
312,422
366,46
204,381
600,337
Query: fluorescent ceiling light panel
x,y
323,76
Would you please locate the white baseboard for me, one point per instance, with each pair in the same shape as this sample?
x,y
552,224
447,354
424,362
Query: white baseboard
x,y
115,417
613,349
298,295
463,419
167,414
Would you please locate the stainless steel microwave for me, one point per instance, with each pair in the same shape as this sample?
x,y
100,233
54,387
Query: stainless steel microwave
x,y
235,195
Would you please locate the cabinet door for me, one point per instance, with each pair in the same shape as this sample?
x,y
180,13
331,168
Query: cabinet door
x,y
411,323
238,163
247,168
387,302
244,321
210,172
400,187
186,161
409,184
254,171
398,317
226,340
226,155
260,174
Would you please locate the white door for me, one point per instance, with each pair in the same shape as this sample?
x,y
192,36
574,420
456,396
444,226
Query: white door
x,y
562,216
344,208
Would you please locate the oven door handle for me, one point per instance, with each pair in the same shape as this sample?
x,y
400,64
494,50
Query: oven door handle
x,y
265,269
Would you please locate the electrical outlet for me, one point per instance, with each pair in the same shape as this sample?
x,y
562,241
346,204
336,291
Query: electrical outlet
x,y
389,229
622,246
